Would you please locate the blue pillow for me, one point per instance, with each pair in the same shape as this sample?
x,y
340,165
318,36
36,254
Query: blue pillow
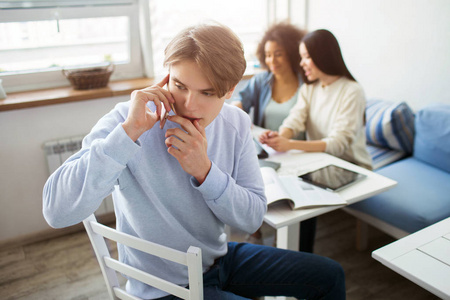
x,y
432,141
390,125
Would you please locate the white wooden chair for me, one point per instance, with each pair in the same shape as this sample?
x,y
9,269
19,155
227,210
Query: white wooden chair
x,y
109,266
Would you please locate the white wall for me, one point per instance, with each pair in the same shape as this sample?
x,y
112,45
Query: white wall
x,y
23,167
398,50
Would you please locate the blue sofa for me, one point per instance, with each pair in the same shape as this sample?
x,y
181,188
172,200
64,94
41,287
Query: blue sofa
x,y
422,196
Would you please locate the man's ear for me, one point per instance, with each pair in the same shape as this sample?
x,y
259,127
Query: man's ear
x,y
230,92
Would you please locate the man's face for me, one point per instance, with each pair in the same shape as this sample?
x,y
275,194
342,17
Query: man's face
x,y
194,96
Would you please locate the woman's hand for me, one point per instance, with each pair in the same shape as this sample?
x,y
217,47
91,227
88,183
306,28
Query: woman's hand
x,y
140,118
189,146
274,140
266,135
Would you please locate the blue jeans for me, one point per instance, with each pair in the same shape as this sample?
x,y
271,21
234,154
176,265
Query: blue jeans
x,y
249,271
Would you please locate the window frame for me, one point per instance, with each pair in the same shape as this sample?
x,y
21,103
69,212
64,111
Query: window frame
x,y
25,81
140,34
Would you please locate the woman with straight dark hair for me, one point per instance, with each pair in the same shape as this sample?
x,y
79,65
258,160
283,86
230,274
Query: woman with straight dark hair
x,y
324,50
330,108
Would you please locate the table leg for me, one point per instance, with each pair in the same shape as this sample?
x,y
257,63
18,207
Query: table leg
x,y
288,237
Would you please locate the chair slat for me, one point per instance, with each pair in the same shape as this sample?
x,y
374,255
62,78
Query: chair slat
x,y
139,244
124,295
147,278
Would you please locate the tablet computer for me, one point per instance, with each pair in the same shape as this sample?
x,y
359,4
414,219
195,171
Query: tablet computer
x,y
332,177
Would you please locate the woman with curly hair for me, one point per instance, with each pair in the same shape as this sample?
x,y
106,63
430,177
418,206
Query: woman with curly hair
x,y
271,94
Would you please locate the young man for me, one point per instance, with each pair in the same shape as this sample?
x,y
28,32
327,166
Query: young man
x,y
179,183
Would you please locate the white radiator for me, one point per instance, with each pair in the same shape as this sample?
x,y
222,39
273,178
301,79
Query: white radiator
x,y
58,151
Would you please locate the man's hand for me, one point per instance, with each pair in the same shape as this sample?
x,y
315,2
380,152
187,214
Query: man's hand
x,y
140,118
189,146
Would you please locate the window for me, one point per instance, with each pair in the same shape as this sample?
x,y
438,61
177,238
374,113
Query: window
x,y
248,19
36,44
73,43
40,38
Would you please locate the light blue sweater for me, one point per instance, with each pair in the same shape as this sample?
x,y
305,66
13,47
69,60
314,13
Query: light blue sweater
x,y
154,198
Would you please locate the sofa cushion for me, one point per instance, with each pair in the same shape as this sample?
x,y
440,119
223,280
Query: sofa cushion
x,y
383,156
419,200
432,140
390,125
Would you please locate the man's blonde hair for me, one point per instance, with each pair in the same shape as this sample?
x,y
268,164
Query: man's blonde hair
x,y
217,51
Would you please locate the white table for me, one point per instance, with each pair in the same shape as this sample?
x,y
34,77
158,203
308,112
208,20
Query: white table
x,y
423,257
287,221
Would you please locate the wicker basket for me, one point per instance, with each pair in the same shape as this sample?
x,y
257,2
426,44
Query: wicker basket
x,y
89,78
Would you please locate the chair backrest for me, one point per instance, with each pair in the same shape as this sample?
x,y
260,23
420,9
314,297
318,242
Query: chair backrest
x,y
109,266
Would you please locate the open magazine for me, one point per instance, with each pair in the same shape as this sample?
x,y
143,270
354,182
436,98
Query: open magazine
x,y
297,193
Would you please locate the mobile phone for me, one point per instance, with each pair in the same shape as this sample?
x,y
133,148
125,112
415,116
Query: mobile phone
x,y
260,150
165,115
